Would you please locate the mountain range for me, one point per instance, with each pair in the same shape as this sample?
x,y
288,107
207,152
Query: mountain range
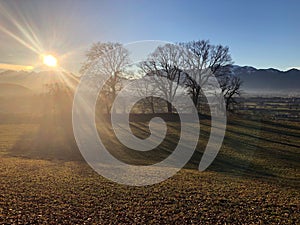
x,y
15,83
268,81
255,81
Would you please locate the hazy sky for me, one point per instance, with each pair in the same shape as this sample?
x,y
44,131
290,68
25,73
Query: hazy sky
x,y
259,33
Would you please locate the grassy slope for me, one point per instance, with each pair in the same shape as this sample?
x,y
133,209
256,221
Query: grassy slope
x,y
254,179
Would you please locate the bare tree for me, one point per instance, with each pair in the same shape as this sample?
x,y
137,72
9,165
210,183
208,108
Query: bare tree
x,y
231,88
107,59
146,87
202,61
164,66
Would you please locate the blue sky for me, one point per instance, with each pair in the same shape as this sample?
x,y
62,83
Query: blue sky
x,y
259,33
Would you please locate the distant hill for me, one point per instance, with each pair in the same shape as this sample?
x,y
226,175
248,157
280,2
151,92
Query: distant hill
x,y
255,81
7,89
268,81
34,81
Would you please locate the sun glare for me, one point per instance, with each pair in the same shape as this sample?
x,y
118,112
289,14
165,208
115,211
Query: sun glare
x,y
50,60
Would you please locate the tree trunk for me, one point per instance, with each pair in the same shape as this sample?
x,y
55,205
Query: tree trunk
x,y
152,104
170,108
196,98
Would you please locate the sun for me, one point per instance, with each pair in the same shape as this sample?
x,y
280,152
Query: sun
x,y
49,60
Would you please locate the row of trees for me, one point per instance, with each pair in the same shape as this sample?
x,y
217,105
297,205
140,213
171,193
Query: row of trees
x,y
188,65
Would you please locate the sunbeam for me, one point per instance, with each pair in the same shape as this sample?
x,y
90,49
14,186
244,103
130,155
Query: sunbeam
x,y
18,39
5,66
27,32
24,28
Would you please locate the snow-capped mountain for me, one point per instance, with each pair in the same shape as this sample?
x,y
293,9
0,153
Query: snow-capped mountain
x,y
268,81
255,81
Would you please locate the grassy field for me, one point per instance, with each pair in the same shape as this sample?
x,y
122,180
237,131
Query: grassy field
x,y
253,180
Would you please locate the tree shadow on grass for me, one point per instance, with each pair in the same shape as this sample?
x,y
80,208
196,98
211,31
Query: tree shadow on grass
x,y
48,142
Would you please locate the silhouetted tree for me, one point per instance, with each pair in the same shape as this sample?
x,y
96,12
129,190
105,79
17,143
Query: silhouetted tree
x,y
164,66
203,60
147,88
107,59
231,88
